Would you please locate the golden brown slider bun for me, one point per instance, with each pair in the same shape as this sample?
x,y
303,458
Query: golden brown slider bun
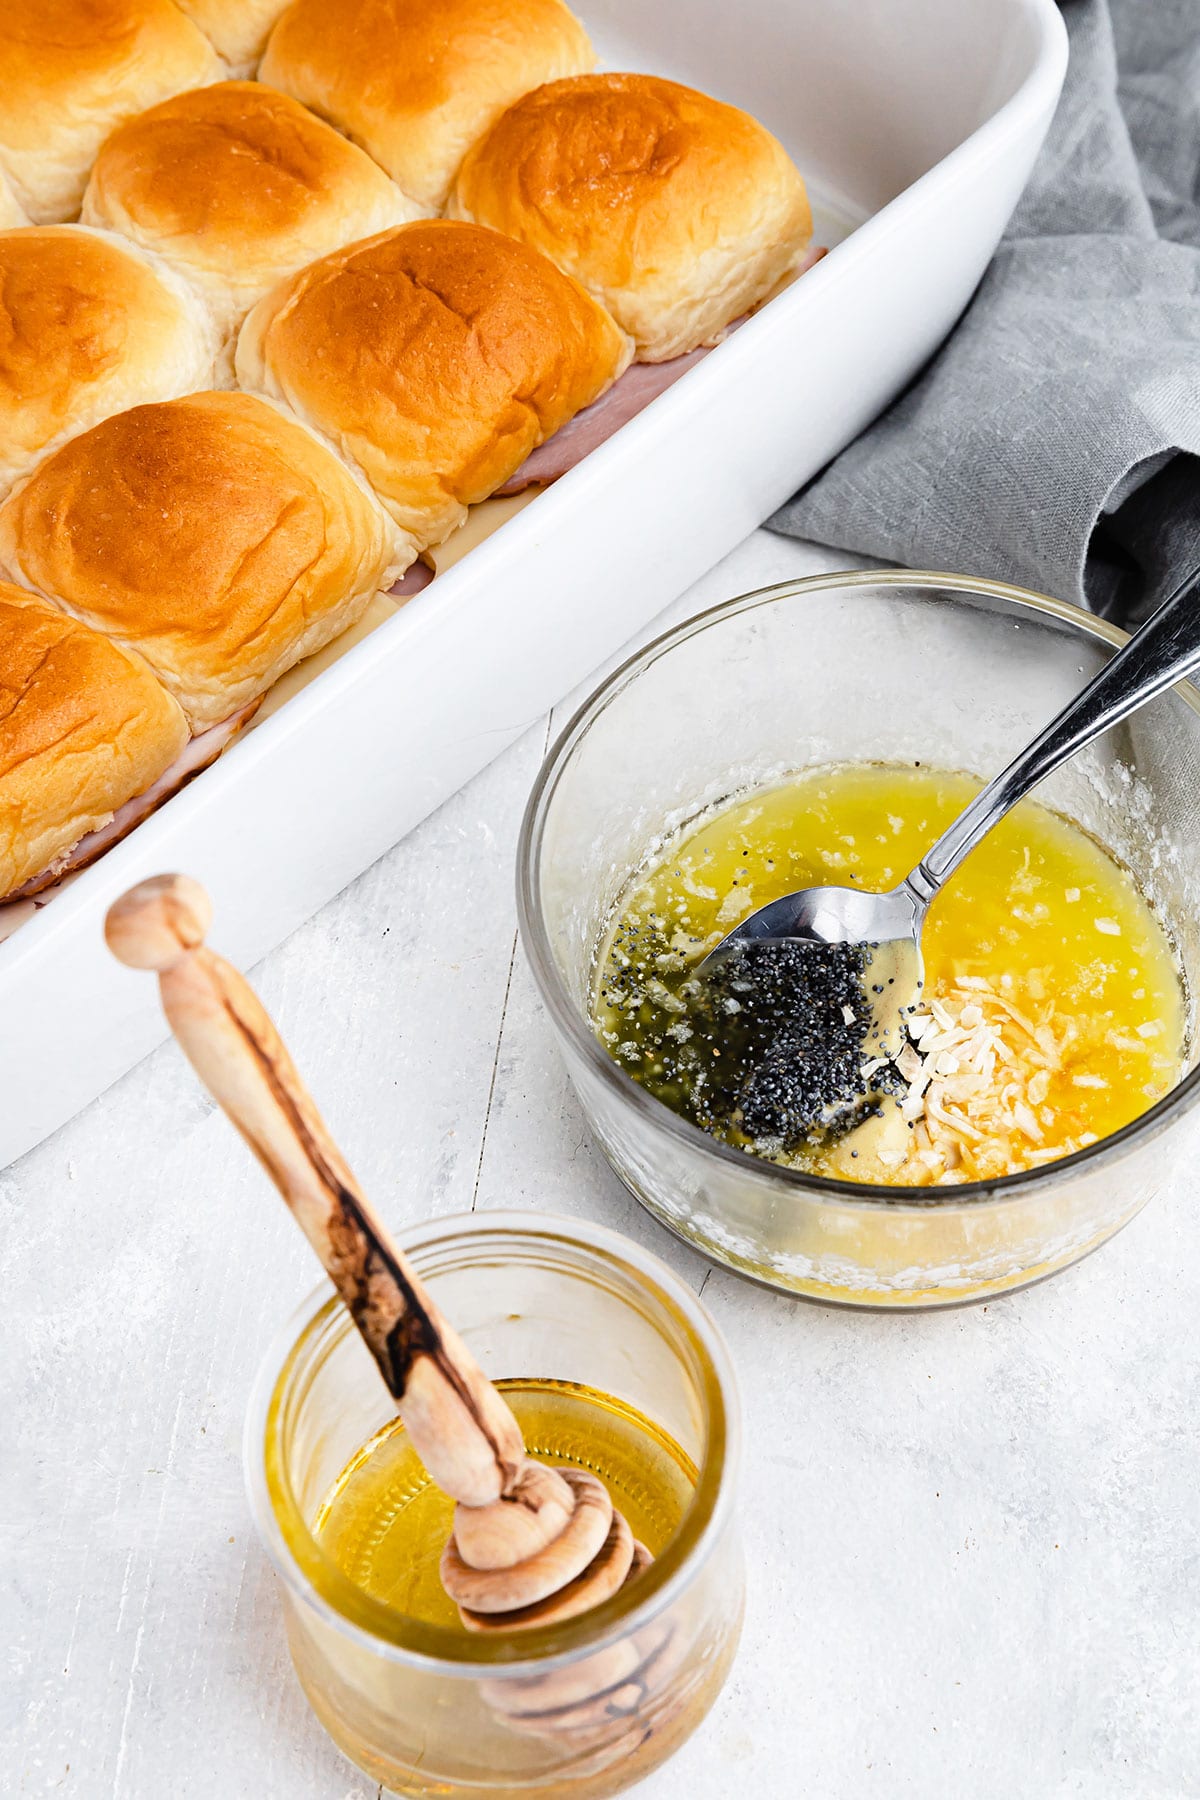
x,y
436,357
237,29
70,70
211,535
84,727
237,186
88,325
675,211
416,81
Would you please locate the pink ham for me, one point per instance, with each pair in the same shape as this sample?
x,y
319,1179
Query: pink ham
x,y
417,576
196,755
626,398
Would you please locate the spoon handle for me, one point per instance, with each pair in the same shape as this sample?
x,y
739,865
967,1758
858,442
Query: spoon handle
x,y
460,1425
1166,649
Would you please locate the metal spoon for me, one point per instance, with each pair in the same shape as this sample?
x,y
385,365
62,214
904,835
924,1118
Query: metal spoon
x,y
1166,649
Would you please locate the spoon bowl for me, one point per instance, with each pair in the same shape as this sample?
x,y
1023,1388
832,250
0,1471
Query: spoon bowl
x,y
830,915
887,926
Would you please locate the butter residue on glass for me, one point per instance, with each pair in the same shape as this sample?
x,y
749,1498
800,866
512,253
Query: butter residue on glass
x,y
1052,1014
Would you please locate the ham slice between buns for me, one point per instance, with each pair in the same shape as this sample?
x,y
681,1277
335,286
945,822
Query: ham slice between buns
x,y
197,754
629,395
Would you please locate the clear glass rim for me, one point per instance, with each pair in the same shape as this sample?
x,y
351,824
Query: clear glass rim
x,y
316,1581
869,1197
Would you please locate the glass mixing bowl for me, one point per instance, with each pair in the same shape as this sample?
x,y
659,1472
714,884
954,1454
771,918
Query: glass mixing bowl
x,y
878,666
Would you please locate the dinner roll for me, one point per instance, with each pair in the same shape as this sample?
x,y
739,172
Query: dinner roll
x,y
677,212
416,81
237,186
87,326
436,357
84,726
211,535
236,28
72,69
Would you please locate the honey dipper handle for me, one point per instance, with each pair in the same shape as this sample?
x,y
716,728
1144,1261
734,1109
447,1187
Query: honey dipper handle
x,y
460,1426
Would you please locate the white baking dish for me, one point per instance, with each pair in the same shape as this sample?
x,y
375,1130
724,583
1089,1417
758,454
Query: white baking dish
x,y
917,122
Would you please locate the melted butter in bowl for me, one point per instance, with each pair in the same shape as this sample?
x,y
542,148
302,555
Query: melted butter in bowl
x,y
1052,1013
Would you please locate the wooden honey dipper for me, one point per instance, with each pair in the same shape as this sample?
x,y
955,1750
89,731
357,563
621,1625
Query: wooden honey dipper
x,y
530,1544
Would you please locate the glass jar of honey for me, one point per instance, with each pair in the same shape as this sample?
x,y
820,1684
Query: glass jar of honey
x,y
610,1364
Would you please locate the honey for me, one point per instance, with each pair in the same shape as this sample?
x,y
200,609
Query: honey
x,y
385,1524
1052,983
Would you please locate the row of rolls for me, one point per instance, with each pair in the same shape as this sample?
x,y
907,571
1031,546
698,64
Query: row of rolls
x,y
264,342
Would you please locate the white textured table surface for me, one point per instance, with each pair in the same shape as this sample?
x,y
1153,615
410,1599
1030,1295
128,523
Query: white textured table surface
x,y
973,1537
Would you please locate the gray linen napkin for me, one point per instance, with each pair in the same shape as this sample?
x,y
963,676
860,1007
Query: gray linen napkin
x,y
1055,439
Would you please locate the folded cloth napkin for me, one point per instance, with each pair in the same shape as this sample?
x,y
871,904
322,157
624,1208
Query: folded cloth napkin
x,y
1055,439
